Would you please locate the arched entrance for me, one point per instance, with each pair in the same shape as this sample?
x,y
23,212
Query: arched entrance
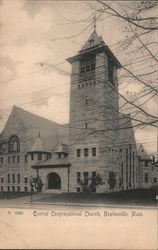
x,y
54,181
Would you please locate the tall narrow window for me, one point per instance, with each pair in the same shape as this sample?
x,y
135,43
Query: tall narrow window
x,y
87,64
32,156
94,152
94,174
111,71
78,152
40,156
8,178
86,152
25,159
13,178
18,178
85,174
18,159
78,177
146,177
146,163
26,180
13,159
8,159
14,144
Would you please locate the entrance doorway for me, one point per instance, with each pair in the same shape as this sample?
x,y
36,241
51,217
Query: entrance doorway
x,y
54,181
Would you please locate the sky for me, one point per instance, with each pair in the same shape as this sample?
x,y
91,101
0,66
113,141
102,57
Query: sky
x,y
36,37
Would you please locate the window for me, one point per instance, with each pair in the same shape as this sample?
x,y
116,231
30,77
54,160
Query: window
x,y
13,189
1,159
60,155
18,178
111,71
126,177
13,159
86,125
146,163
14,144
155,180
91,42
25,189
86,101
78,189
13,178
94,152
87,64
18,159
85,178
40,156
25,159
94,174
26,180
78,152
1,189
32,156
48,156
86,152
8,189
2,180
8,159
8,178
122,172
18,189
78,177
146,177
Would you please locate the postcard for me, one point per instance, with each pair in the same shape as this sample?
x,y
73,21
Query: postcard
x,y
78,124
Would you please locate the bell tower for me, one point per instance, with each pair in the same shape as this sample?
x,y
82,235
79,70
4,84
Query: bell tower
x,y
94,111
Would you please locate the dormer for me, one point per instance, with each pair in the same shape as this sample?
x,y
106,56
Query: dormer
x,y
61,150
38,151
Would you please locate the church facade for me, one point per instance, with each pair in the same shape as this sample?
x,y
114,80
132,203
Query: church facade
x,y
95,152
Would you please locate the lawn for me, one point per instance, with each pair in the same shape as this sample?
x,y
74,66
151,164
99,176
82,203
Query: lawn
x,y
12,195
130,197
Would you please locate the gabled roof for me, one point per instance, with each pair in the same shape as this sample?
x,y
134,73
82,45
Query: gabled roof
x,y
142,153
38,146
51,133
61,148
95,43
94,40
34,121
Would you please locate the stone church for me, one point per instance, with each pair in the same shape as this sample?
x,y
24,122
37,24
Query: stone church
x,y
95,152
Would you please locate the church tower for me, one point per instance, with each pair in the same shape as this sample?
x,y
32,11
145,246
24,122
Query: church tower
x,y
94,112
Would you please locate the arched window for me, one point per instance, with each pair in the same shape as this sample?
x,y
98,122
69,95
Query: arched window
x,y
14,144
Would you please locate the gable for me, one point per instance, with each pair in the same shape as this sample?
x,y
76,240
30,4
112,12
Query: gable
x,y
14,124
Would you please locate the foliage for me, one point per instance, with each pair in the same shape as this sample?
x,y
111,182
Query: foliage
x,y
90,184
112,180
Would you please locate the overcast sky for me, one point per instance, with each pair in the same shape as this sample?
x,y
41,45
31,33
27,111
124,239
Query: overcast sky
x,y
34,32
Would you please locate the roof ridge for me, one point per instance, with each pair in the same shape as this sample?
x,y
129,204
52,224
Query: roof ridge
x,y
31,113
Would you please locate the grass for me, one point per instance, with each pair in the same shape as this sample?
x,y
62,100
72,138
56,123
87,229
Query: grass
x,y
129,197
12,195
146,197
